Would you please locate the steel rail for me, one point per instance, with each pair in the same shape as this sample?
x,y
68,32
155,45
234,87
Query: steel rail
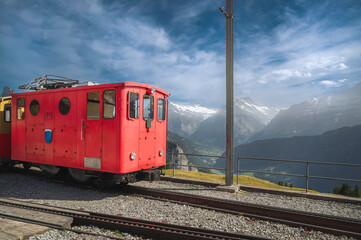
x,y
49,225
330,224
155,230
249,210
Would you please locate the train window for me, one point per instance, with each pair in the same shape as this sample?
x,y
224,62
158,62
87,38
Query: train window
x,y
20,109
64,105
7,113
133,105
161,109
148,107
93,106
109,104
34,107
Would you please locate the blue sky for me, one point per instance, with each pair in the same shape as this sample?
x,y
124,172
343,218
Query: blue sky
x,y
284,51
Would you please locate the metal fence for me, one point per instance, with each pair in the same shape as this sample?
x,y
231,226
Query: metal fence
x,y
190,166
307,176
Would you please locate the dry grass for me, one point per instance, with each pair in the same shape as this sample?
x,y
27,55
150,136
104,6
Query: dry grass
x,y
245,180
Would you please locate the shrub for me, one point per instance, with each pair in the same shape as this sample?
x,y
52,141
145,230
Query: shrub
x,y
347,190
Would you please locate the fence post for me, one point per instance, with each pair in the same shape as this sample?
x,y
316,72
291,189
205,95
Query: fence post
x,y
173,158
237,169
307,173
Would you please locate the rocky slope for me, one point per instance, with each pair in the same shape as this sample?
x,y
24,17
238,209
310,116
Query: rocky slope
x,y
249,119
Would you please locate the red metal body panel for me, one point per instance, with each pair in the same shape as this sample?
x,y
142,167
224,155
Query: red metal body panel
x,y
135,137
64,144
5,129
88,140
5,142
35,125
18,134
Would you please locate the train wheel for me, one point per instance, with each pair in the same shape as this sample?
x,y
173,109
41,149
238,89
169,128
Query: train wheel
x,y
26,166
49,171
3,167
79,175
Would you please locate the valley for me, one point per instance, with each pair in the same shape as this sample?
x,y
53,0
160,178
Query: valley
x,y
326,129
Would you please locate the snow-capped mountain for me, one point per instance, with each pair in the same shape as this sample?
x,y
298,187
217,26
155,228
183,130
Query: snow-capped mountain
x,y
184,119
316,116
249,119
262,112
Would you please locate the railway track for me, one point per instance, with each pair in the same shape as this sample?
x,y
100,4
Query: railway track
x,y
310,221
324,223
154,230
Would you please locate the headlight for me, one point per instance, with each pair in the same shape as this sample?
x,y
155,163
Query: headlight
x,y
161,152
133,156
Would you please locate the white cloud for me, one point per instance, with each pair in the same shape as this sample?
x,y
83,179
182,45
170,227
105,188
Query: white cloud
x,y
187,13
338,67
296,54
142,34
118,39
281,75
329,83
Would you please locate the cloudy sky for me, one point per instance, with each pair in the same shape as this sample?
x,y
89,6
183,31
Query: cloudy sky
x,y
285,51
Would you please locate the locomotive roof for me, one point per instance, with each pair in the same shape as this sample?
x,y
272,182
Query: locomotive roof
x,y
122,84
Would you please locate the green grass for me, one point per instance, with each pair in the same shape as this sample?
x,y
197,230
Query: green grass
x,y
245,180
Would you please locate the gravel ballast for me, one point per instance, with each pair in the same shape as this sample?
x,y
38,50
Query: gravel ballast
x,y
295,203
101,234
40,190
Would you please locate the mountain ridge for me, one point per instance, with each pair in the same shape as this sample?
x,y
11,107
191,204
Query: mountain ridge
x,y
184,119
341,145
315,116
249,118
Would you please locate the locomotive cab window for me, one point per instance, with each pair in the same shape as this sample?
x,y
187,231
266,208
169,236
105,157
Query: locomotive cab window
x,y
64,105
109,104
20,109
7,113
161,109
93,106
34,107
148,107
133,103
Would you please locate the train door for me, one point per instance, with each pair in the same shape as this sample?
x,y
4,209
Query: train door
x,y
129,134
110,129
91,129
147,138
18,145
34,130
65,128
5,128
161,134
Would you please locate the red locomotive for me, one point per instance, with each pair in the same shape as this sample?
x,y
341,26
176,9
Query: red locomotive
x,y
114,131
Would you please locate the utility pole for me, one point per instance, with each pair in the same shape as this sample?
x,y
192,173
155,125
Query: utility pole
x,y
229,92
